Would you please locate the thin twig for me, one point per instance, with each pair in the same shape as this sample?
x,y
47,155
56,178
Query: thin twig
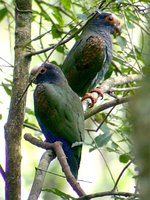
x,y
66,169
109,193
101,4
110,83
2,172
108,4
57,147
62,41
48,16
10,65
105,106
131,42
105,161
120,175
125,89
24,92
57,7
31,80
31,127
105,118
40,174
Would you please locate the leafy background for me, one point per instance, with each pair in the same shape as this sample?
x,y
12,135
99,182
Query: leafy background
x,y
108,145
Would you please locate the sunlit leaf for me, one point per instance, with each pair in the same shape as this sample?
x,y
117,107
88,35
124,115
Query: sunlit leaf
x,y
30,124
66,4
102,139
3,13
122,41
7,88
58,16
59,193
55,32
60,49
124,158
29,111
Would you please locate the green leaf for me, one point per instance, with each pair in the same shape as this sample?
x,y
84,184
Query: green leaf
x,y
59,193
105,129
124,158
7,88
3,13
122,42
60,49
0,116
109,72
54,62
102,139
29,111
110,149
58,16
114,145
55,32
27,122
99,117
66,4
46,16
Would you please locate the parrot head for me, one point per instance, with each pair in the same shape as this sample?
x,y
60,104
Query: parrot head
x,y
107,21
47,72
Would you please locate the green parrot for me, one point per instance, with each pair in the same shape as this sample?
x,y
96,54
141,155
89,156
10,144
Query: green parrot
x,y
59,112
87,62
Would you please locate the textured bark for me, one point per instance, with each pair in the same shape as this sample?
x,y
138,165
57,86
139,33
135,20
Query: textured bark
x,y
13,127
141,122
107,85
141,138
57,147
40,174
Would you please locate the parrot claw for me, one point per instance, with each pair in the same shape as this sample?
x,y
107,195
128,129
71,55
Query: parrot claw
x,y
98,91
92,96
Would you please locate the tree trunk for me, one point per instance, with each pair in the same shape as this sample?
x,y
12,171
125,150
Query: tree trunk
x,y
13,127
141,121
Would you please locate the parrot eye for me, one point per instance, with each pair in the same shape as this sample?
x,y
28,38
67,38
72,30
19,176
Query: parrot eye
x,y
110,19
43,70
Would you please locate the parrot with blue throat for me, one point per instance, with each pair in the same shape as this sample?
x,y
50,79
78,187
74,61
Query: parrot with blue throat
x,y
59,112
88,61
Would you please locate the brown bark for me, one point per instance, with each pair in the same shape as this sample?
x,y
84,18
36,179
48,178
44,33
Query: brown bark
x,y
57,147
141,121
13,127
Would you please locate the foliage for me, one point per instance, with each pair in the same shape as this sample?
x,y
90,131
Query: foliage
x,y
59,193
54,20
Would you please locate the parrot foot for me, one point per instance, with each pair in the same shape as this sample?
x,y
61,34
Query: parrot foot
x,y
92,96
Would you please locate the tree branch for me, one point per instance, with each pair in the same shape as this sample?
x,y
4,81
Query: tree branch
x,y
13,127
57,147
109,193
40,174
120,175
2,172
112,103
112,82
63,40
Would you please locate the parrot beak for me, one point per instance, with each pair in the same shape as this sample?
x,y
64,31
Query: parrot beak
x,y
117,25
33,74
